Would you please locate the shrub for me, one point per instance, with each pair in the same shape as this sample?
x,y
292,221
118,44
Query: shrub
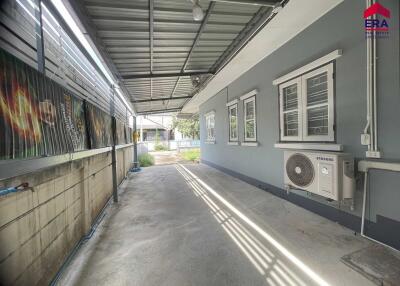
x,y
191,155
160,147
146,160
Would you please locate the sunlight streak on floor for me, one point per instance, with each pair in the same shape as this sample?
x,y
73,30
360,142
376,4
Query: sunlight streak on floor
x,y
263,259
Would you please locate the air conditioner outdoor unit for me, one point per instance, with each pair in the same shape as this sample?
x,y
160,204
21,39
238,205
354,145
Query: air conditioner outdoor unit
x,y
327,174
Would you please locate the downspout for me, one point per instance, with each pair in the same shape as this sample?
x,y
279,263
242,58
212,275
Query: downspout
x,y
368,126
370,89
375,91
371,128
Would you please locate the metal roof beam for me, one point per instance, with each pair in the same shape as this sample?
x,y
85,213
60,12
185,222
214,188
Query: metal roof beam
x,y
151,44
175,86
160,99
158,75
268,3
160,111
196,40
151,34
252,27
39,37
262,18
201,29
141,9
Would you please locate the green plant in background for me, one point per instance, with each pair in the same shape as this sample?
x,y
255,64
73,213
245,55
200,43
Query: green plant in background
x,y
160,147
146,160
157,137
191,155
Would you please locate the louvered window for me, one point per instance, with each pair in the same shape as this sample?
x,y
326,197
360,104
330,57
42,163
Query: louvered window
x,y
250,128
290,102
210,126
306,106
233,127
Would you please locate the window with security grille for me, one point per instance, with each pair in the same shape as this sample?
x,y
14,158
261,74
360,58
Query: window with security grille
x,y
307,107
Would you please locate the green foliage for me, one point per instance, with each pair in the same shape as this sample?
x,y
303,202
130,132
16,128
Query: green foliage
x,y
146,160
188,127
191,155
160,147
157,139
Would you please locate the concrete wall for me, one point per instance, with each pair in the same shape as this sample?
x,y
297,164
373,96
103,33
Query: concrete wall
x,y
341,28
39,228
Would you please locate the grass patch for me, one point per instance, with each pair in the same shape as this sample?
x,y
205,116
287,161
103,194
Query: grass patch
x,y
191,155
160,147
146,160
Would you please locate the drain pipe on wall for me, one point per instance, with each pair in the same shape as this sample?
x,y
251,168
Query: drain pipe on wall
x,y
365,137
71,255
96,223
371,138
374,55
370,135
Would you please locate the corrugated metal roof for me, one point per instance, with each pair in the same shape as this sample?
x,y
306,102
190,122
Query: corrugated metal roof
x,y
168,44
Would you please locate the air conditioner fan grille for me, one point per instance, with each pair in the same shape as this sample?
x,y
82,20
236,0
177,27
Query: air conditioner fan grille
x,y
300,170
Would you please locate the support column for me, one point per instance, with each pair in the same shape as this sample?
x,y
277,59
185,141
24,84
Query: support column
x,y
39,37
141,129
113,151
114,160
135,154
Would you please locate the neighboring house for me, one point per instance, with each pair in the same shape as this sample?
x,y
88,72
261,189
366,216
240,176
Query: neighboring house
x,y
149,126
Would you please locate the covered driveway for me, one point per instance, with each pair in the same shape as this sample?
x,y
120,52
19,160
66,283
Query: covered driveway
x,y
172,228
162,55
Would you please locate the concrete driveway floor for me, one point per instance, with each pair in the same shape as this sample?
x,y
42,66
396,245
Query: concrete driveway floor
x,y
193,225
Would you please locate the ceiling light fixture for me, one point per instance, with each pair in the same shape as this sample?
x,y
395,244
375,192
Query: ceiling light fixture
x,y
197,11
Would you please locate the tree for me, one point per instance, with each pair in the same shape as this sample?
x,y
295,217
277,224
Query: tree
x,y
188,127
157,137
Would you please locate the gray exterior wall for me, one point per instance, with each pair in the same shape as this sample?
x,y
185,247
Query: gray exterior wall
x,y
341,28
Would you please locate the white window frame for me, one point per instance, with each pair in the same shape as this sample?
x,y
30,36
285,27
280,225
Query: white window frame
x,y
208,116
299,113
301,82
245,101
331,134
231,106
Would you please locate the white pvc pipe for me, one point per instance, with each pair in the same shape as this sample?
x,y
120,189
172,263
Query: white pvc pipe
x,y
375,90
364,202
371,88
368,126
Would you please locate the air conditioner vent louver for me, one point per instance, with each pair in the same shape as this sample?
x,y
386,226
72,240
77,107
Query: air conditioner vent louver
x,y
327,174
300,170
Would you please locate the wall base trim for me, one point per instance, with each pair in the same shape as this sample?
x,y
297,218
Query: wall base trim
x,y
385,229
